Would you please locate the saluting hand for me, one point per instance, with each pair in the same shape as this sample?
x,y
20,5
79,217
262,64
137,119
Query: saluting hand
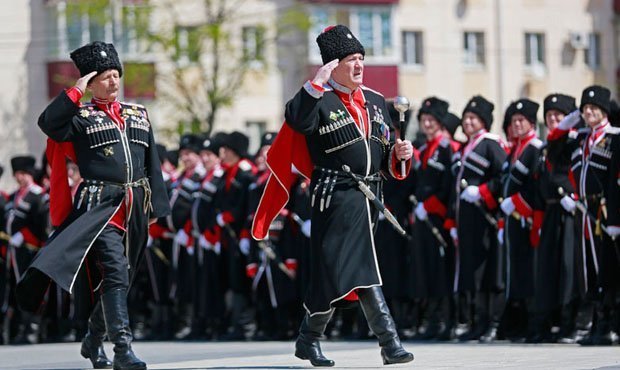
x,y
324,73
403,149
82,82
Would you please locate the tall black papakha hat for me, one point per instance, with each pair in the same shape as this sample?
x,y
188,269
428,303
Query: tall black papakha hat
x,y
25,163
337,42
596,95
435,107
238,142
560,102
451,122
527,108
482,108
191,142
96,56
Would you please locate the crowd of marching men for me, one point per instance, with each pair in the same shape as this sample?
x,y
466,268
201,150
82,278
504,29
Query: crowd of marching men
x,y
508,238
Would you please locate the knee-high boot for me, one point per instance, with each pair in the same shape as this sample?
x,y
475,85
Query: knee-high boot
x,y
117,322
307,346
92,344
382,325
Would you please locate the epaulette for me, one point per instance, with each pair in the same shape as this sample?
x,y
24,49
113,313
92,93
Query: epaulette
x,y
491,136
133,105
583,130
36,189
536,143
371,90
612,130
88,104
218,172
245,165
445,142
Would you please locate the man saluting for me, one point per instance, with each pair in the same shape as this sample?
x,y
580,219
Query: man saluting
x,y
340,136
113,146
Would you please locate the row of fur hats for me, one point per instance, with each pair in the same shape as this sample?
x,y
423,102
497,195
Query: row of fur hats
x,y
235,140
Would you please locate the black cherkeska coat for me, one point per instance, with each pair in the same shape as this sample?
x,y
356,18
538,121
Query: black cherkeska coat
x,y
342,241
521,183
478,258
594,169
107,157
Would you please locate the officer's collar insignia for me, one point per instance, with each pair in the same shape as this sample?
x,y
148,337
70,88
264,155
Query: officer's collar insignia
x,y
108,151
84,113
333,116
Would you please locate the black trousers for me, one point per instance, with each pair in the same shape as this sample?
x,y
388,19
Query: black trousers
x,y
111,259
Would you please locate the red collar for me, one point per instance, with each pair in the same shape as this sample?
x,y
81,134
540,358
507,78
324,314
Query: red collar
x,y
112,109
521,142
355,102
431,146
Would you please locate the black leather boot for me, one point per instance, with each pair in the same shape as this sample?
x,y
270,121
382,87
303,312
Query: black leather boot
x,y
382,325
117,322
92,344
307,346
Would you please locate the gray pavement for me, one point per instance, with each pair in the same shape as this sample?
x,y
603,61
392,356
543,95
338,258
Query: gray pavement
x,y
348,355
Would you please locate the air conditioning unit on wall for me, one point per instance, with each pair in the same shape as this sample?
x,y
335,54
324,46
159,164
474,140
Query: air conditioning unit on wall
x,y
578,40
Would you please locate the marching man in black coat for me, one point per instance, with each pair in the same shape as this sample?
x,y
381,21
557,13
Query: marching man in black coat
x,y
345,127
593,155
122,191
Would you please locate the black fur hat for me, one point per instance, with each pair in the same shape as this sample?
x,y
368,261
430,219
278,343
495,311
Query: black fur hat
x,y
96,56
527,108
596,95
337,42
267,139
451,122
508,117
24,163
435,107
482,108
614,113
191,142
238,142
162,153
560,102
212,143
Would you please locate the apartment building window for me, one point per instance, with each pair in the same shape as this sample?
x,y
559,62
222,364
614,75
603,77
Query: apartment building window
x,y
371,24
187,45
413,48
592,52
71,25
473,47
253,43
534,49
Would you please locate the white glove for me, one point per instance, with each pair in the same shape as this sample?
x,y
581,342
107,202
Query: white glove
x,y
613,231
17,239
471,194
149,242
220,220
217,248
500,236
454,234
568,204
508,206
570,120
181,238
244,246
420,212
190,250
306,227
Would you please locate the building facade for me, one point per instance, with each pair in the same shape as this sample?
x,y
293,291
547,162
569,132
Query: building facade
x,y
501,49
